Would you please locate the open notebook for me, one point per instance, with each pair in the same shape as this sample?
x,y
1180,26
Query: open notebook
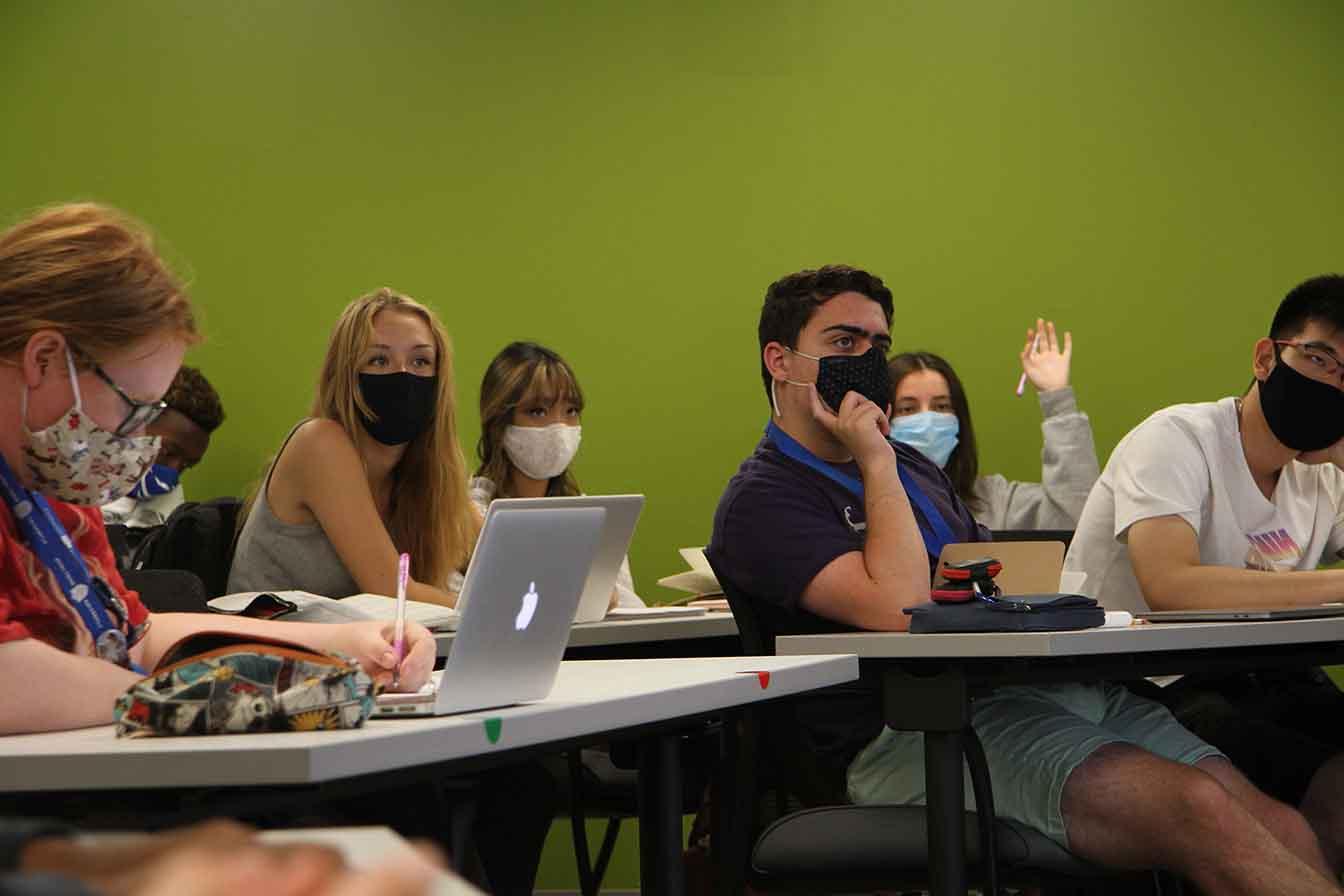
x,y
300,606
699,580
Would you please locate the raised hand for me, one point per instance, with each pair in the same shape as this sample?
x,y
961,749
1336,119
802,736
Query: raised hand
x,y
1045,364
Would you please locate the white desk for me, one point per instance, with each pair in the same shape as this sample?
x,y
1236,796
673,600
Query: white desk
x,y
622,632
928,681
1151,638
590,697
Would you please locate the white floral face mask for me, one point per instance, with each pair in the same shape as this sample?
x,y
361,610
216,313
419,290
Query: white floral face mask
x,y
542,452
76,461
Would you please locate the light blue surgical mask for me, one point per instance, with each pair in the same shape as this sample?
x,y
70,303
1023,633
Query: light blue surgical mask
x,y
932,433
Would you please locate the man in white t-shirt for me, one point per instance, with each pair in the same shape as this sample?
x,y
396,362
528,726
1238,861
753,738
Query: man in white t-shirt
x,y
1235,503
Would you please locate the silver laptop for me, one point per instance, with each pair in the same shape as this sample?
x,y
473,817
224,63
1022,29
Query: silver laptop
x,y
1249,614
517,603
622,515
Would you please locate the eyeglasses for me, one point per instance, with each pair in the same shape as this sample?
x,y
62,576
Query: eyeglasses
x,y
141,413
1321,359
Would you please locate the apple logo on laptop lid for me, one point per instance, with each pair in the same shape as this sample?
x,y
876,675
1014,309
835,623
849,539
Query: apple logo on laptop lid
x,y
528,609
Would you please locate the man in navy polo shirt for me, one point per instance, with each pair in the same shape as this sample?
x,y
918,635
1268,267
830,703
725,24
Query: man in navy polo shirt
x,y
828,526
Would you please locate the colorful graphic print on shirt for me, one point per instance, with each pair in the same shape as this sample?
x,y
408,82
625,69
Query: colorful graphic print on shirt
x,y
1272,551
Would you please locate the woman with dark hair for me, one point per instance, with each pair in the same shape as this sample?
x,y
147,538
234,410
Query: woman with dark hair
x,y
930,412
530,409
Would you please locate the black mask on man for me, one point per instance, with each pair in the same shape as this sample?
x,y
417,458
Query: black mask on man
x,y
1303,413
866,374
402,404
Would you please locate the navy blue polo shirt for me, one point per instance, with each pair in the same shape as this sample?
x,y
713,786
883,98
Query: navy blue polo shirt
x,y
780,523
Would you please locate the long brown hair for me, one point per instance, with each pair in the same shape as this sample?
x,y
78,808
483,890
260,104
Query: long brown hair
x,y
430,515
522,373
92,274
963,466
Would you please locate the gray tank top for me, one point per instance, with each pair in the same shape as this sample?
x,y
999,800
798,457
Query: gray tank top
x,y
276,556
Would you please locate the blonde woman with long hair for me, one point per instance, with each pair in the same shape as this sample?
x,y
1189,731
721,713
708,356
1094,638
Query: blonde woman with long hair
x,y
373,472
531,406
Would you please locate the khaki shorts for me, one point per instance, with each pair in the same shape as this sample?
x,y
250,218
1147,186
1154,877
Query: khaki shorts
x,y
1034,737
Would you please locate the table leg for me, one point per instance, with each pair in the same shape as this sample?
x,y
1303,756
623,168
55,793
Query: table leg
x,y
734,799
946,809
660,871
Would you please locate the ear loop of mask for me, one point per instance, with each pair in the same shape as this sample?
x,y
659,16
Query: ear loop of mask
x,y
74,385
774,401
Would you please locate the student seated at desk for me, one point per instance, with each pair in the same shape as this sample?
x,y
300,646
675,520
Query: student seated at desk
x,y
377,470
1235,503
216,858
930,412
373,472
93,328
828,526
184,428
530,409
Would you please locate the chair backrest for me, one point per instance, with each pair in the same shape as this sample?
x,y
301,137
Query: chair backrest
x,y
1064,535
787,751
198,537
757,639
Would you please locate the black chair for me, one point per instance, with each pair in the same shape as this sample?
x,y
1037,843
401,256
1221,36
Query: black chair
x,y
1064,535
831,845
197,536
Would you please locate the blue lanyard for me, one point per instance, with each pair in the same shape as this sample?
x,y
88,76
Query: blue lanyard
x,y
102,612
936,535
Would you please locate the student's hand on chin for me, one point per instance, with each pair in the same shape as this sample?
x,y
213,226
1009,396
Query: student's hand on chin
x,y
371,644
861,426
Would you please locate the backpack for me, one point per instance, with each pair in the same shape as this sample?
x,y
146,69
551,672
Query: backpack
x,y
199,537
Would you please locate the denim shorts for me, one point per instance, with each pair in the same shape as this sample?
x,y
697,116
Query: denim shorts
x,y
1034,737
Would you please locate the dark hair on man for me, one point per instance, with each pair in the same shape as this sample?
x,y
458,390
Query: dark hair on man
x,y
1320,299
192,396
791,301
963,465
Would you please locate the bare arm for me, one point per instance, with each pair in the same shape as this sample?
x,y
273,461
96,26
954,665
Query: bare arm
x,y
51,690
319,455
1165,554
368,642
870,588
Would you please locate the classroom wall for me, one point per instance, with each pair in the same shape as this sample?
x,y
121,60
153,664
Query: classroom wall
x,y
621,181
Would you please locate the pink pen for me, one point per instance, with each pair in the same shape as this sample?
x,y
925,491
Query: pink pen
x,y
399,632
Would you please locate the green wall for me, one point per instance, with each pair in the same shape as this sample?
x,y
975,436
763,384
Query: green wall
x,y
622,180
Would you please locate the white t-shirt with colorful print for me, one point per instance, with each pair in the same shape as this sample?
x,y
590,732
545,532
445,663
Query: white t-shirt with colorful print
x,y
1187,461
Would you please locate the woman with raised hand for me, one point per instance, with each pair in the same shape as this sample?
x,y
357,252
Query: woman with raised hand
x,y
930,412
374,471
93,328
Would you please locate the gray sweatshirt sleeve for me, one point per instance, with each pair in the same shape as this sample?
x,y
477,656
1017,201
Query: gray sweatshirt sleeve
x,y
1068,470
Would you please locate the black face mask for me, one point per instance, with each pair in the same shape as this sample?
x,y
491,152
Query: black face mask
x,y
866,374
402,403
1303,413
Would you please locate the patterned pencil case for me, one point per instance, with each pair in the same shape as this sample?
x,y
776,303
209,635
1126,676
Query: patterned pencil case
x,y
218,683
